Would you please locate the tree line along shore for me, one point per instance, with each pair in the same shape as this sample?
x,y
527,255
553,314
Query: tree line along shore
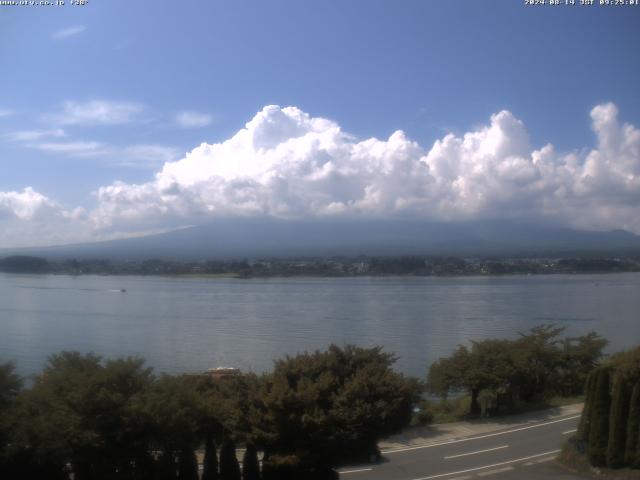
x,y
97,418
329,267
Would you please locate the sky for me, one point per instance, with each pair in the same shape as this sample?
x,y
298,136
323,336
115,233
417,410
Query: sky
x,y
122,118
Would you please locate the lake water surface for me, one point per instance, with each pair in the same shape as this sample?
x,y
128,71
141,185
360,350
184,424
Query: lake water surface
x,y
190,324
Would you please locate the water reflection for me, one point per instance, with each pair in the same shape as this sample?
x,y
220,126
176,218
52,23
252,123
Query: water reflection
x,y
190,324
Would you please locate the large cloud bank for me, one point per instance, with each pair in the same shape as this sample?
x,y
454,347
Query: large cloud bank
x,y
287,164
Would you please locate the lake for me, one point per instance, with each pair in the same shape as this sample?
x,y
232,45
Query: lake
x,y
190,324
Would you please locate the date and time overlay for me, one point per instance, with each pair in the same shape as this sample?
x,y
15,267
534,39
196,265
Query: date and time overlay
x,y
528,3
43,3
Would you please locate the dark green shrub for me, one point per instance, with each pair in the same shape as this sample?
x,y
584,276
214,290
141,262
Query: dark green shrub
x,y
599,432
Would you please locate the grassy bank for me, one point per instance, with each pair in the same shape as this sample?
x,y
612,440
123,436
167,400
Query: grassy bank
x,y
577,462
456,409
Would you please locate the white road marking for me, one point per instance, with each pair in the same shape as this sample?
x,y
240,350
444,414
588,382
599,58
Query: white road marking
x,y
570,431
406,449
466,477
516,460
344,472
479,451
548,459
493,472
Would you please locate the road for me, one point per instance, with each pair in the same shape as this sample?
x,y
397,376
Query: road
x,y
518,451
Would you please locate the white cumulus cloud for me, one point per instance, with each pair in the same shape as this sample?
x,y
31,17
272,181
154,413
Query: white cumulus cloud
x,y
285,163
25,205
29,218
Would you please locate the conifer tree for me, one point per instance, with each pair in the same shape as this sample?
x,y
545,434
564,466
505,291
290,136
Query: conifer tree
x,y
144,467
618,422
633,427
166,466
250,464
585,418
599,431
187,465
210,463
636,462
229,467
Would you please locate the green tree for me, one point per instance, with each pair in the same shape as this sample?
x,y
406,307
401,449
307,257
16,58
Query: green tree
x,y
55,410
229,467
325,407
628,363
250,464
535,366
83,411
172,412
10,387
450,374
599,432
541,360
490,366
618,422
580,355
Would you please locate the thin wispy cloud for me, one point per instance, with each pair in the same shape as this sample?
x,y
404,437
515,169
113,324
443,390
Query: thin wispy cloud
x,y
32,135
72,148
96,112
5,112
190,119
68,32
133,156
146,156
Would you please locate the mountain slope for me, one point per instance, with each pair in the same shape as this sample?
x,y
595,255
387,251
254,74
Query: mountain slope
x,y
278,238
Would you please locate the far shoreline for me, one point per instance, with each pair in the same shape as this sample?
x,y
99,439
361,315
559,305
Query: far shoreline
x,y
233,276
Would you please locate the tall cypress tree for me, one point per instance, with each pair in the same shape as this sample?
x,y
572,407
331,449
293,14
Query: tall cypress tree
x,y
636,462
633,427
618,422
144,467
166,466
585,418
599,431
210,463
229,467
250,464
187,465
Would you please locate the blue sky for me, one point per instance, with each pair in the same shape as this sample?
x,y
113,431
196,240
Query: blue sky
x,y
110,91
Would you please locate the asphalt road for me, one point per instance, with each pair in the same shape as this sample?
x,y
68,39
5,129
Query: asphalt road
x,y
525,451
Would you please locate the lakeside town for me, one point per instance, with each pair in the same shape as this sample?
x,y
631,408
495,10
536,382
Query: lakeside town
x,y
327,267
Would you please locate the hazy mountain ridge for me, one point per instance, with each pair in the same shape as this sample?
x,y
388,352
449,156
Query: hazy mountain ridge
x,y
278,238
